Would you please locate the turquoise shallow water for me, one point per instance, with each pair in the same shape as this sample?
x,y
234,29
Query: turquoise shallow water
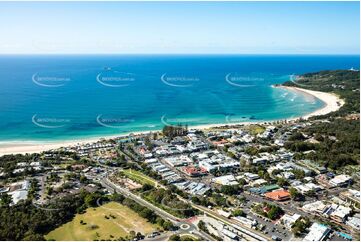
x,y
71,97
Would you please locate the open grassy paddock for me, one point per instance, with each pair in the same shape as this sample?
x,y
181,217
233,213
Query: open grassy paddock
x,y
108,222
139,177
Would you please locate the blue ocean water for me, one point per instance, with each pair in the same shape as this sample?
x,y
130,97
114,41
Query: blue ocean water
x,y
58,97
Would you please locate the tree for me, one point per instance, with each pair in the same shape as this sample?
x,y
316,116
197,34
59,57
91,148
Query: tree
x,y
5,200
91,199
83,179
282,182
274,212
168,225
295,195
310,193
299,174
239,213
230,190
300,226
202,226
175,237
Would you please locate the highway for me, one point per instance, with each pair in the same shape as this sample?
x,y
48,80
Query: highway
x,y
249,233
191,228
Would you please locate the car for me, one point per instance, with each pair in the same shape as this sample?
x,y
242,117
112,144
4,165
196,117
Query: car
x,y
275,238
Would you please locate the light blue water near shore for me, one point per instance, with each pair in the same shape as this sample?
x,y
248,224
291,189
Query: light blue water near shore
x,y
72,97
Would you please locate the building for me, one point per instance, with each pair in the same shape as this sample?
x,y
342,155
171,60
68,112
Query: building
x,y
340,214
193,171
318,207
18,195
250,176
228,180
264,189
177,161
229,235
289,220
304,188
352,197
354,223
224,213
340,180
317,232
278,195
245,221
260,160
19,191
258,182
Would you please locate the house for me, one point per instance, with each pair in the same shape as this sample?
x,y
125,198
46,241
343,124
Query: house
x,y
250,176
258,182
352,197
340,180
278,195
260,160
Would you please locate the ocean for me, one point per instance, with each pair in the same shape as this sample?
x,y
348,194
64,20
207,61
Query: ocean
x,y
64,97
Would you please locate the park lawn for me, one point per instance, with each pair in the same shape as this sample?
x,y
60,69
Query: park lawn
x,y
139,177
125,220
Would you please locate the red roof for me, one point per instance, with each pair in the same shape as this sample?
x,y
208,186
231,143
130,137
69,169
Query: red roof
x,y
278,195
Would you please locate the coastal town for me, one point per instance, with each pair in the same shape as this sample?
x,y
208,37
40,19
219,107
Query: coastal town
x,y
233,182
240,194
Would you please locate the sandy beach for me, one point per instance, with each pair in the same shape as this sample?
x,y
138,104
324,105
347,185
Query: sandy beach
x,y
331,103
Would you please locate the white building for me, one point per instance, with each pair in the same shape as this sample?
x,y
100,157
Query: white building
x,y
318,232
289,220
340,180
340,214
225,180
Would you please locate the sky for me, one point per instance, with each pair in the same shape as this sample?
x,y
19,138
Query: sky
x,y
179,27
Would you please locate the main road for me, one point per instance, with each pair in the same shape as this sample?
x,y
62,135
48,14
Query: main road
x,y
183,225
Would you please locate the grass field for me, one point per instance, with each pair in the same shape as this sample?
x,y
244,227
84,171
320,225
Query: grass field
x,y
255,129
139,177
121,220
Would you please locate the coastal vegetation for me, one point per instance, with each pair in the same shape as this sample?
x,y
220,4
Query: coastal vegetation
x,y
169,202
337,138
172,131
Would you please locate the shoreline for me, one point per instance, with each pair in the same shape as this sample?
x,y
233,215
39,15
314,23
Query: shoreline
x,y
331,103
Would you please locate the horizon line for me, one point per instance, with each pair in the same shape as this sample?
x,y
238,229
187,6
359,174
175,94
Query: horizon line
x,y
349,54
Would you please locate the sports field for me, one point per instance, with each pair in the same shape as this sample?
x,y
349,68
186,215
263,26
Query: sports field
x,y
108,222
